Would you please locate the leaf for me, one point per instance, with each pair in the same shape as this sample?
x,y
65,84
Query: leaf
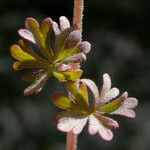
x,y
124,112
32,76
106,85
41,35
77,58
92,86
37,86
83,91
19,65
130,103
111,94
85,47
60,42
67,75
27,35
70,46
107,122
18,54
64,23
95,126
72,87
78,92
67,114
63,101
111,106
74,124
27,49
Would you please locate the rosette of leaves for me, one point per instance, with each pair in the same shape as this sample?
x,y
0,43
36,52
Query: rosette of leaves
x,y
63,60
78,110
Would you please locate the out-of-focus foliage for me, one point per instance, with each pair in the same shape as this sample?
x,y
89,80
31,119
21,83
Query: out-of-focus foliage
x,y
119,31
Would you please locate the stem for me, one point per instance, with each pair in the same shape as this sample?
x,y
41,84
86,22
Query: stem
x,y
78,13
71,142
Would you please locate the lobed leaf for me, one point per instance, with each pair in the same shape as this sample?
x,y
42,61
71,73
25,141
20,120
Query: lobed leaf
x,y
74,124
95,126
41,35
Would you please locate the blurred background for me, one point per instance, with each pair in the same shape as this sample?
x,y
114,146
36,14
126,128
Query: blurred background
x,y
119,31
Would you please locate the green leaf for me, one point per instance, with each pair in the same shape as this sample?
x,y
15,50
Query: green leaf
x,y
83,91
41,35
111,106
63,101
67,75
72,87
27,49
80,99
18,54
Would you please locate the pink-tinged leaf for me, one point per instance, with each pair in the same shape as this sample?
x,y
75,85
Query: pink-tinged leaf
x,y
107,122
111,94
46,28
33,26
27,35
77,58
64,23
130,103
106,85
75,125
63,101
85,47
63,67
105,133
95,126
37,86
56,28
124,112
92,86
19,65
73,39
32,76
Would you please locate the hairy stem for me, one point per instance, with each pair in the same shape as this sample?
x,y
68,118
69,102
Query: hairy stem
x,y
71,142
78,13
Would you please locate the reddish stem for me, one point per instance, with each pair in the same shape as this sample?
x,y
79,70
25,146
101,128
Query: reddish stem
x,y
71,141
78,13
